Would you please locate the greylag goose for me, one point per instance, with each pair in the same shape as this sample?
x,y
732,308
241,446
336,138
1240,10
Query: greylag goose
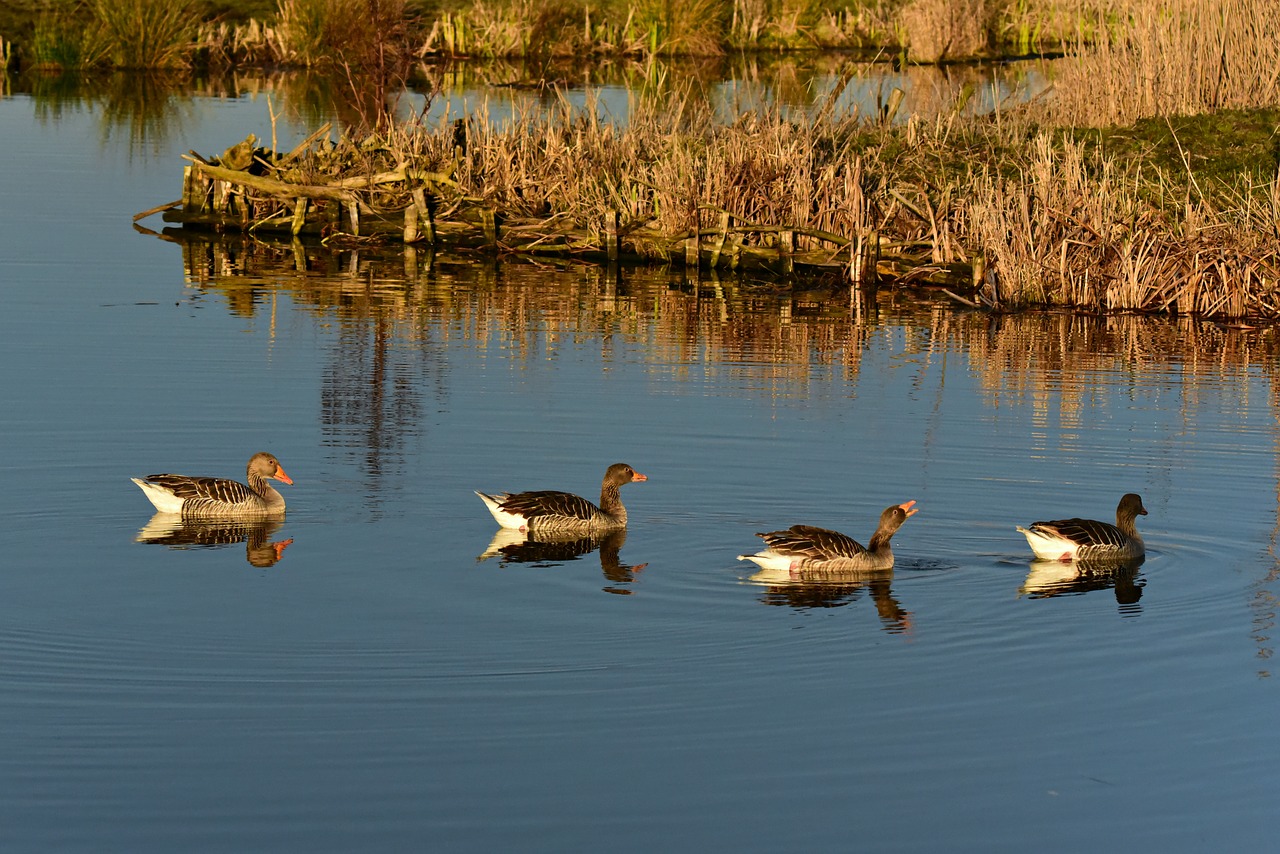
x,y
547,511
216,498
1086,539
805,549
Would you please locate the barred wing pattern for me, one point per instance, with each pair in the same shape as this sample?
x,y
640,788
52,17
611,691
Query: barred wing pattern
x,y
218,498
811,542
1087,539
200,489
1083,532
549,503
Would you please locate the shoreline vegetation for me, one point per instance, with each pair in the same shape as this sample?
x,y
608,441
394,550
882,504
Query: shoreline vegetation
x,y
1147,180
211,34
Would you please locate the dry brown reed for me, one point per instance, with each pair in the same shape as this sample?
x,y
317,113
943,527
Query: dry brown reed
x,y
944,29
1064,231
1179,58
1037,216
535,28
366,34
1052,222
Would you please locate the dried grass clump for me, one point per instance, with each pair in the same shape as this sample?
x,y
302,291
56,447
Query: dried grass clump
x,y
226,45
1179,58
1066,232
682,27
369,35
532,28
152,34
936,30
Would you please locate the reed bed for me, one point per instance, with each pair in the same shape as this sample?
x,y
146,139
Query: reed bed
x,y
1178,58
322,33
763,188
314,33
1005,211
1065,231
1000,213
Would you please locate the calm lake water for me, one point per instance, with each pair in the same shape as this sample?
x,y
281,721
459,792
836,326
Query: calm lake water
x,y
379,685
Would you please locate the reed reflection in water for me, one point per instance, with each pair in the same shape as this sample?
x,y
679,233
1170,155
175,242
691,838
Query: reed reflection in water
x,y
694,329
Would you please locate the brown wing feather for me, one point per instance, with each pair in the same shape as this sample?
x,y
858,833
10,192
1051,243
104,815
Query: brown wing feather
x,y
204,488
549,503
1084,532
808,541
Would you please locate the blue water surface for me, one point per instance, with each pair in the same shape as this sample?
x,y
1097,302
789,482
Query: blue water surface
x,y
378,686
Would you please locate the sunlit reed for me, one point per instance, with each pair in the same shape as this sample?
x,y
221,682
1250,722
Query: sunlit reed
x,y
1180,58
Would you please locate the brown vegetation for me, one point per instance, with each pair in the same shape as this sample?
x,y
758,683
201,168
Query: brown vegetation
x,y
1006,211
1179,58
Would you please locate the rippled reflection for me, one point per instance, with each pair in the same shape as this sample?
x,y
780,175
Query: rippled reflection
x,y
1049,578
167,529
512,546
834,590
778,331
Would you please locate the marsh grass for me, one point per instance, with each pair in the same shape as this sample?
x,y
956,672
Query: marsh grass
x,y
1180,58
1068,230
547,28
1055,218
56,45
146,34
943,29
309,32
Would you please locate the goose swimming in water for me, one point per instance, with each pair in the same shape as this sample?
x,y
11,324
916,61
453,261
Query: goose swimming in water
x,y
804,548
1087,539
547,510
218,498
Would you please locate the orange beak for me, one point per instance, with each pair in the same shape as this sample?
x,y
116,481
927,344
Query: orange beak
x,y
280,475
907,507
636,477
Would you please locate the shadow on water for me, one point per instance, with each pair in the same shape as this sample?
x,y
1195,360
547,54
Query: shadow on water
x,y
167,529
511,546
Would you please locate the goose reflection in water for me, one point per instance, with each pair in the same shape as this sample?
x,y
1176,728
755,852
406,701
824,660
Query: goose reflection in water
x,y
167,529
799,589
1049,578
513,546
